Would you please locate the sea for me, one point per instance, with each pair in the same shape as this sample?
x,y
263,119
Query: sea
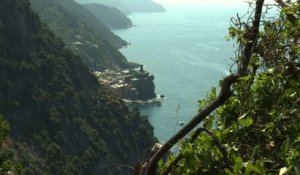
x,y
187,50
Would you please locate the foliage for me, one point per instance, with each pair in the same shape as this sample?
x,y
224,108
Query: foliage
x,y
6,166
259,125
62,120
110,16
82,32
4,128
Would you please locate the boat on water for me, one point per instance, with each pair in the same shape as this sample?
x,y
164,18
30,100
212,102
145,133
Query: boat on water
x,y
181,123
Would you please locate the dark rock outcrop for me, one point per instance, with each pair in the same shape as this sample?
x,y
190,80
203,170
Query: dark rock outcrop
x,y
144,85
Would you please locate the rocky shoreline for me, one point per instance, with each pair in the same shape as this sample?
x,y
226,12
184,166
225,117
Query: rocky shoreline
x,y
134,86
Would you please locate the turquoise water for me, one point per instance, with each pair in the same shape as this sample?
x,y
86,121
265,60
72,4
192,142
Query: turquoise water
x,y
186,51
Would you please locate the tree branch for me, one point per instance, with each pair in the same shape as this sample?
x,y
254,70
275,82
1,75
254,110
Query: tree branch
x,y
223,96
290,17
194,137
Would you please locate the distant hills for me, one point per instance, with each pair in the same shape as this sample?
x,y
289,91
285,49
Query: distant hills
x,y
110,16
85,29
62,121
83,33
129,6
143,6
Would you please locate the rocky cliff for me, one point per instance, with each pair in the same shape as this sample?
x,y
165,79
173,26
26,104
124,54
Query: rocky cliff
x,y
144,84
62,120
83,33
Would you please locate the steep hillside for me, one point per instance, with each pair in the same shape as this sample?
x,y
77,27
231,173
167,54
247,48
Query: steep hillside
x,y
62,121
144,6
110,16
83,33
129,6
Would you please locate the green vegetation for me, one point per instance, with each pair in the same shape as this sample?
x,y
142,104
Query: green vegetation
x,y
256,129
83,33
62,121
6,166
4,128
110,16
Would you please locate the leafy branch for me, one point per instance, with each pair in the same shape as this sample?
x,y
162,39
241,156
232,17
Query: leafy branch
x,y
194,137
224,95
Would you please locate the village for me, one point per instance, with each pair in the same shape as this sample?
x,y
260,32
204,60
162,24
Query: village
x,y
134,86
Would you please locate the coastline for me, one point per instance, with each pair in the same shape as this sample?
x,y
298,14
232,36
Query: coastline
x,y
157,101
134,86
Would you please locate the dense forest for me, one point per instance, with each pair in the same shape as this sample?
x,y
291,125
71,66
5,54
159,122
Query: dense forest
x,y
110,16
57,118
83,33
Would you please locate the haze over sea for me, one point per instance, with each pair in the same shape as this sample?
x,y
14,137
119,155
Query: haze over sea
x,y
186,50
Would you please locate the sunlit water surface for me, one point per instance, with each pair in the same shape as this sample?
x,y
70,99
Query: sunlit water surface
x,y
185,48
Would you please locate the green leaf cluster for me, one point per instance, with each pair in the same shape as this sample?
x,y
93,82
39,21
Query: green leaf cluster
x,y
6,166
259,125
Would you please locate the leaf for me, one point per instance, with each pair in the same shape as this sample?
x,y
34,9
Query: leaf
x,y
296,166
244,78
228,172
250,169
160,163
245,121
297,140
243,116
208,123
271,70
238,164
285,147
213,93
255,150
293,94
283,170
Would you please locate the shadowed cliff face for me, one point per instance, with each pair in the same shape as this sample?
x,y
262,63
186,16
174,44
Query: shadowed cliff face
x,y
62,120
83,33
145,87
110,16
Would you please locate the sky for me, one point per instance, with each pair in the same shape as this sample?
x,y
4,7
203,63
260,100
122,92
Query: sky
x,y
202,2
